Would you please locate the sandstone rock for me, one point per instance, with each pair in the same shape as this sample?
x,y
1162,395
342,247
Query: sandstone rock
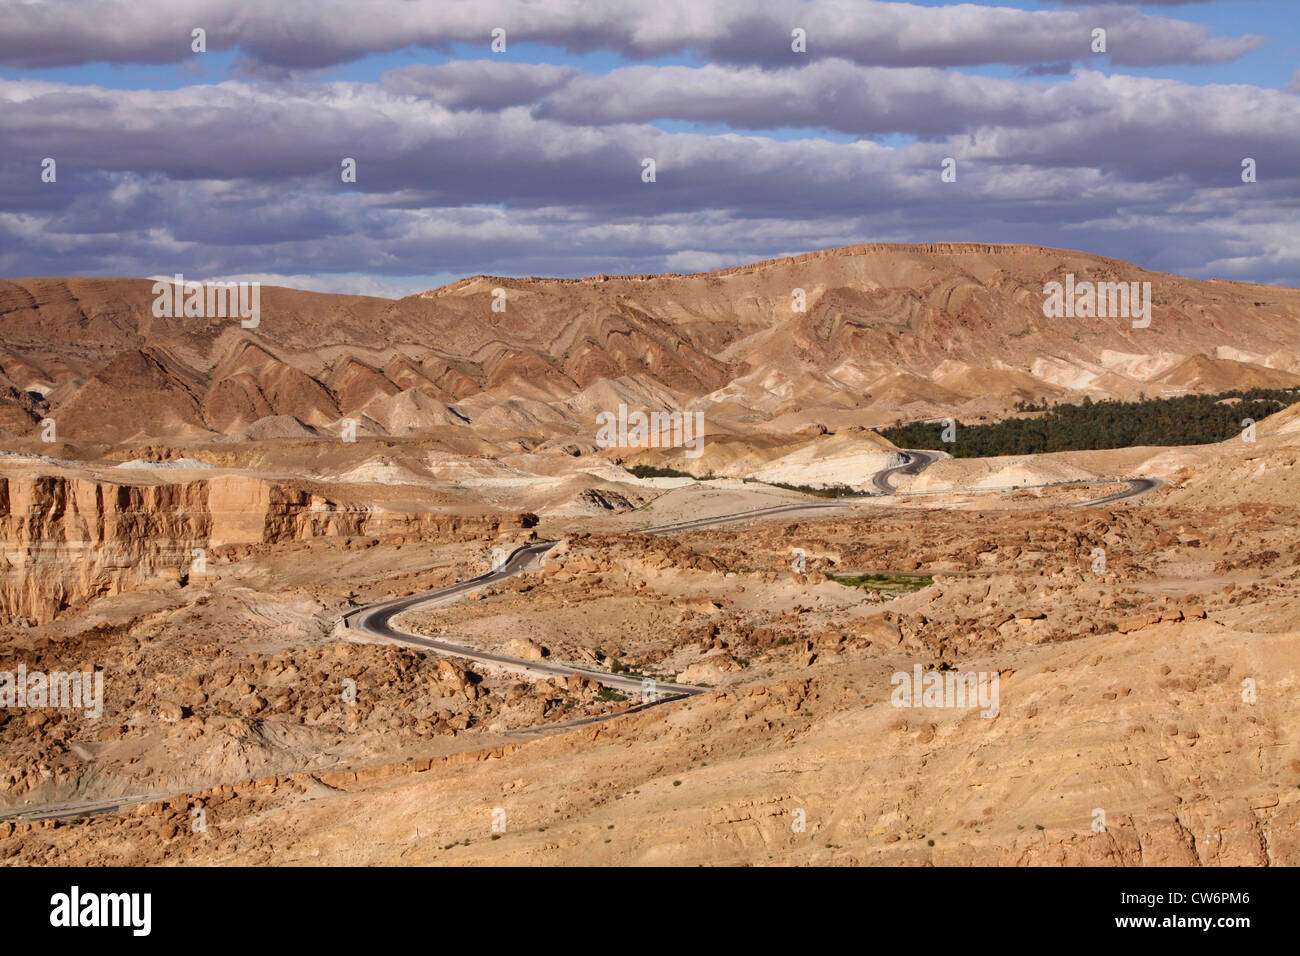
x,y
578,683
527,649
1137,622
170,711
880,630
710,670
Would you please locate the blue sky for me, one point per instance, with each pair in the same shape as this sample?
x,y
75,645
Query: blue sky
x,y
225,163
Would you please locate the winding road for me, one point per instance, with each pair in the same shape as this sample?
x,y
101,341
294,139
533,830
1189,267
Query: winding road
x,y
375,620
913,463
1136,486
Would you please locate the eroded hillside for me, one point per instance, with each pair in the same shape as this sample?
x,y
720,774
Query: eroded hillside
x,y
874,333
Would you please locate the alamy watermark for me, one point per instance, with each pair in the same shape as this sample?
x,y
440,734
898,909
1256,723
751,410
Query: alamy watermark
x,y
946,689
624,429
130,910
208,300
72,691
1098,300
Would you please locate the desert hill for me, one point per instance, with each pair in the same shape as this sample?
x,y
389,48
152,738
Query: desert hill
x,y
888,332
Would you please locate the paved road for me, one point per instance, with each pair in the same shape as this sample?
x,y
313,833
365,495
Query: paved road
x,y
376,620
735,516
1136,486
914,462
64,811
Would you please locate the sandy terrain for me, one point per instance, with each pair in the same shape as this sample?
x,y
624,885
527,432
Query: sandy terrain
x,y
1120,690
199,528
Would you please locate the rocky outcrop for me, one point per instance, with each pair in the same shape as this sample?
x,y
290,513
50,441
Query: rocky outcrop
x,y
64,540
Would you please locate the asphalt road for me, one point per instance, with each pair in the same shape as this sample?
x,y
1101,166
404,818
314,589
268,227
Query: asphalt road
x,y
914,462
376,620
1136,486
757,513
68,811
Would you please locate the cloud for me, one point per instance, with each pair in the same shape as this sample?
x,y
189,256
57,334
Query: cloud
x,y
320,33
1150,3
488,165
832,94
479,84
226,179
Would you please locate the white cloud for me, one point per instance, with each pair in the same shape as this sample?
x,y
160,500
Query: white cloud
x,y
320,33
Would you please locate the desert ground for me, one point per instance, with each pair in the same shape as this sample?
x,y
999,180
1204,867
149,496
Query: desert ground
x,y
697,668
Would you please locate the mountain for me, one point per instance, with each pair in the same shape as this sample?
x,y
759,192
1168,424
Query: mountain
x,y
887,332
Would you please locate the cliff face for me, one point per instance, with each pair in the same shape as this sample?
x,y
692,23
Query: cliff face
x,y
65,540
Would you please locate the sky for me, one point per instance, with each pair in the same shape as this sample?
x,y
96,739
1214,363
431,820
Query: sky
x,y
227,163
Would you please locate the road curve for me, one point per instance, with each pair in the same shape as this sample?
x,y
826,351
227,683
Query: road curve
x,y
1136,486
376,620
913,463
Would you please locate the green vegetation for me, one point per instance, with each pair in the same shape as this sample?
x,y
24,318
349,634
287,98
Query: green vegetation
x,y
652,471
617,666
831,491
899,581
609,694
1185,420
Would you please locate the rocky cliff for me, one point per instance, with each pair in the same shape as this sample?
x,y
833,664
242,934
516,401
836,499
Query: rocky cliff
x,y
64,539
